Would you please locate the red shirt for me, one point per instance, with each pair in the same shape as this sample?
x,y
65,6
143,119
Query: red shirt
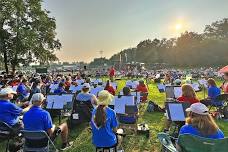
x,y
190,100
111,90
142,88
112,72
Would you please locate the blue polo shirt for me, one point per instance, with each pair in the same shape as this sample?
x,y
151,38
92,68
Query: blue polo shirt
x,y
213,92
37,119
22,90
9,112
189,129
104,136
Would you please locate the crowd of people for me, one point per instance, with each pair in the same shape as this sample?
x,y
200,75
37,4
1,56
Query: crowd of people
x,y
23,98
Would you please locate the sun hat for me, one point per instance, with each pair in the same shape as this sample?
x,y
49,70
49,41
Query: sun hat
x,y
198,108
104,98
37,97
7,90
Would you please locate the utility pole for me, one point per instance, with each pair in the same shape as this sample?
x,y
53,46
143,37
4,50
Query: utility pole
x,y
101,53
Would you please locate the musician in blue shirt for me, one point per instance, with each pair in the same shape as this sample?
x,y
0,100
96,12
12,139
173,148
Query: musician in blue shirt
x,y
9,112
104,122
37,119
23,91
86,96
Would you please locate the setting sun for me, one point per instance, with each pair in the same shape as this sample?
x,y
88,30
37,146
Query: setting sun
x,y
178,26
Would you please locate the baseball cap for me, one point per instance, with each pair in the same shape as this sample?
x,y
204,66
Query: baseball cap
x,y
37,97
104,98
6,91
86,85
198,108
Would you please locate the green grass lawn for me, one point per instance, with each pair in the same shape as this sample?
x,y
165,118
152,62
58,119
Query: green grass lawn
x,y
133,142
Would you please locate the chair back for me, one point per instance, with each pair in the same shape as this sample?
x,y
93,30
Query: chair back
x,y
5,131
190,143
82,112
37,141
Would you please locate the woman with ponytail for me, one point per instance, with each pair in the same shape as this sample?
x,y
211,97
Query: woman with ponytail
x,y
104,123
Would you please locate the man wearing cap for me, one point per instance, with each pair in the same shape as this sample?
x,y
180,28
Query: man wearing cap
x,y
200,123
9,112
85,96
37,119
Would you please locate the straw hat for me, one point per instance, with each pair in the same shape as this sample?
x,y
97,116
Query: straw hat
x,y
104,98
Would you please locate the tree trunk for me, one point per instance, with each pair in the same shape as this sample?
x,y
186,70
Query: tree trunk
x,y
5,61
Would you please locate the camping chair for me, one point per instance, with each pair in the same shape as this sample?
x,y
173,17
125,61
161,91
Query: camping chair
x,y
130,111
191,143
37,141
220,102
82,112
6,133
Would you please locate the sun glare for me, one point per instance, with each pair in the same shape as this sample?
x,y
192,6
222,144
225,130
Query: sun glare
x,y
178,26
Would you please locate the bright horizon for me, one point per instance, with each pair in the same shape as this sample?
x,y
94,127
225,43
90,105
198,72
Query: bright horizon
x,y
85,27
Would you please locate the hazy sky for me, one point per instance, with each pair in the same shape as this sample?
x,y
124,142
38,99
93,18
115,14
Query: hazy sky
x,y
85,27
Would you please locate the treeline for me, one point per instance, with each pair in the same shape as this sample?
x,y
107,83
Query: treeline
x,y
190,49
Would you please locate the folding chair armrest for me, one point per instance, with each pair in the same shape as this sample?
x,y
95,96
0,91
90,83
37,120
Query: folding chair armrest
x,y
165,140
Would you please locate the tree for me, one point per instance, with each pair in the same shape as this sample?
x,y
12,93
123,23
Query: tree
x,y
29,33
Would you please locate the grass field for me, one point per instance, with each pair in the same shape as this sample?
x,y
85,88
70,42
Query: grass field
x,y
133,142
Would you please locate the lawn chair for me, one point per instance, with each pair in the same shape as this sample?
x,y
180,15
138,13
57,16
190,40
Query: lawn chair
x,y
6,134
220,102
191,143
37,141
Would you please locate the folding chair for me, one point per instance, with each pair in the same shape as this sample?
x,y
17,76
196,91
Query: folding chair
x,y
37,141
6,133
191,143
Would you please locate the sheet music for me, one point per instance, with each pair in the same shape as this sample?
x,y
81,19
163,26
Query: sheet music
x,y
203,82
135,84
114,85
176,112
129,83
96,90
121,102
177,92
54,102
161,86
67,98
74,88
195,86
53,87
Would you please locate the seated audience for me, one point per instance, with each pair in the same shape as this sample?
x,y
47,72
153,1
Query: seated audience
x,y
86,96
104,122
110,88
188,94
37,119
9,112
